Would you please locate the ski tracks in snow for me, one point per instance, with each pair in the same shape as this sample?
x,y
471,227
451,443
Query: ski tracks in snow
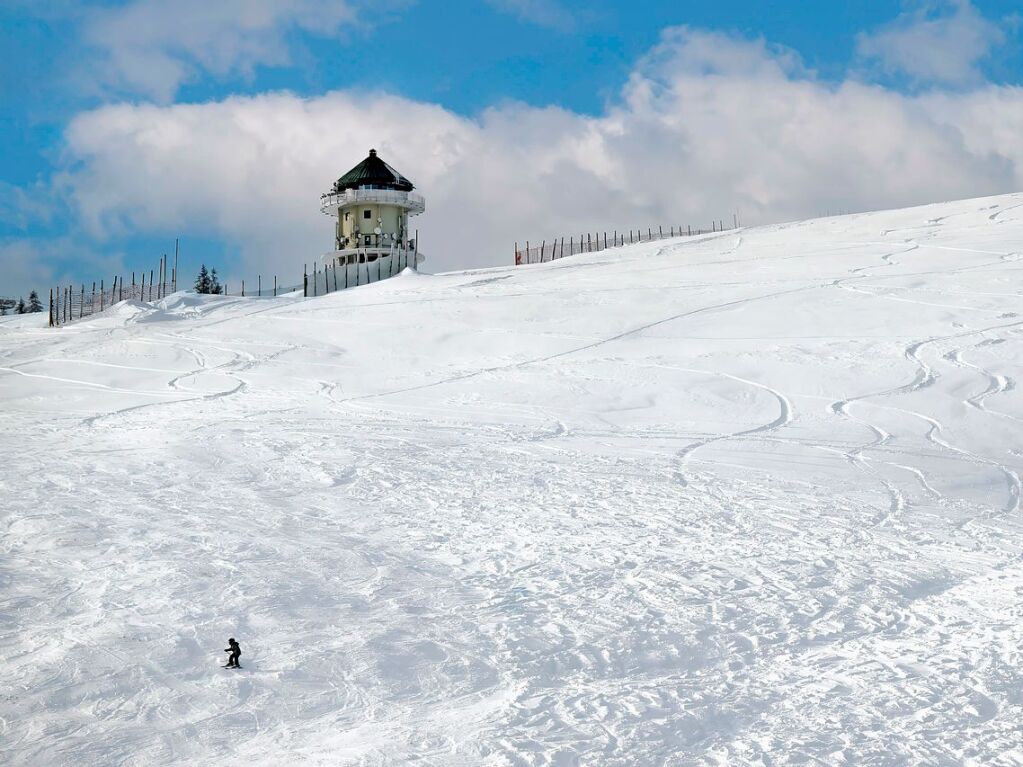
x,y
508,572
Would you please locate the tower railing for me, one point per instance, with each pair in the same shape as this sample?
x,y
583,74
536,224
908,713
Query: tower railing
x,y
411,201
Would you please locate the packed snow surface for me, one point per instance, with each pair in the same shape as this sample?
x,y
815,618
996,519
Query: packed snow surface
x,y
748,498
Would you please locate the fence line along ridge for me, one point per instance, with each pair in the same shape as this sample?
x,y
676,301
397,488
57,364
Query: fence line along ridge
x,y
594,242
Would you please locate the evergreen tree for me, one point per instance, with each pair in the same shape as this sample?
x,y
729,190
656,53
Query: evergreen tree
x,y
34,304
3,309
20,308
215,287
202,282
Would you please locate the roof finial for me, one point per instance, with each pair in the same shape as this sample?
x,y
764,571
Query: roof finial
x,y
372,152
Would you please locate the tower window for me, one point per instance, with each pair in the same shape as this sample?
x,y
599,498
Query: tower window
x,y
367,213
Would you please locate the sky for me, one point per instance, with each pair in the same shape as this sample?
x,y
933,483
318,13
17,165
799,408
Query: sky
x,y
126,125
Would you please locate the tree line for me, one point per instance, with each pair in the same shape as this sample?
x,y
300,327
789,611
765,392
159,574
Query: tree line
x,y
207,282
8,305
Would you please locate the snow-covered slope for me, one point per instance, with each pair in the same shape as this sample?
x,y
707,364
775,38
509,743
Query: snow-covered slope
x,y
752,498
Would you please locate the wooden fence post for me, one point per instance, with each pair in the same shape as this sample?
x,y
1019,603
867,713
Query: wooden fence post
x,y
243,288
305,280
51,307
275,286
259,285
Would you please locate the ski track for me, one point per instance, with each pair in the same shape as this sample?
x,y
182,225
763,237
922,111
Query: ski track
x,y
739,499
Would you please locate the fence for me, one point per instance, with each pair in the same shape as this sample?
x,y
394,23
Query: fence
x,y
68,303
357,269
594,242
272,289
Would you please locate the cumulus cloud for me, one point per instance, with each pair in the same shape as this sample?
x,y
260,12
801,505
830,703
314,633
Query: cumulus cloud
x,y
36,264
707,124
942,43
152,47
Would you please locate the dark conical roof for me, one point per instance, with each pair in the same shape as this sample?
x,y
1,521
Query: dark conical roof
x,y
373,172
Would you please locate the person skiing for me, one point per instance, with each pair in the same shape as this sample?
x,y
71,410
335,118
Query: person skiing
x,y
236,652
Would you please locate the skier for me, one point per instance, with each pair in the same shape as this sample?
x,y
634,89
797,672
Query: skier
x,y
236,651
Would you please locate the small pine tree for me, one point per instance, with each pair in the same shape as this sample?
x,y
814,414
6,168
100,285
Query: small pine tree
x,y
20,308
215,287
34,304
202,282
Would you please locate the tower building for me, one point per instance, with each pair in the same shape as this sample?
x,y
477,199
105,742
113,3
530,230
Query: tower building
x,y
372,204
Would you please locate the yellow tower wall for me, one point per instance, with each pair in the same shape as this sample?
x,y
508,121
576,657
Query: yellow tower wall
x,y
351,218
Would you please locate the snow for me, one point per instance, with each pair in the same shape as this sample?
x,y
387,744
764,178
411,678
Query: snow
x,y
747,498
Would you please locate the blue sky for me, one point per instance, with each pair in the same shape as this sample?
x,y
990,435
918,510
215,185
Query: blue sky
x,y
85,86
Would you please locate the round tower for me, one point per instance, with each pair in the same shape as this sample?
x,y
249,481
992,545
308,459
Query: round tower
x,y
372,204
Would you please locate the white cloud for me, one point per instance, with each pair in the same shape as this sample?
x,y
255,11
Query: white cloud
x,y
707,124
546,13
39,264
152,47
939,43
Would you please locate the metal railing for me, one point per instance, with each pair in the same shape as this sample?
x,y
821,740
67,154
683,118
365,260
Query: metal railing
x,y
411,201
